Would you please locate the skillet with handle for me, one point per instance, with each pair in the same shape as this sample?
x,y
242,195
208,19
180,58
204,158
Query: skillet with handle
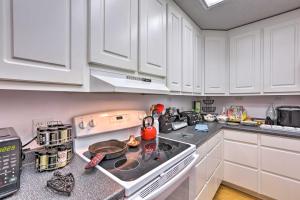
x,y
110,149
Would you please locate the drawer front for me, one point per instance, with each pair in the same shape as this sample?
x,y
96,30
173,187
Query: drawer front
x,y
210,144
214,183
213,160
202,151
203,194
281,162
281,143
242,176
241,136
241,153
197,179
279,187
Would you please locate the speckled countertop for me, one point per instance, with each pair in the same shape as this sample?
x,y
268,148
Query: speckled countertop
x,y
191,136
93,185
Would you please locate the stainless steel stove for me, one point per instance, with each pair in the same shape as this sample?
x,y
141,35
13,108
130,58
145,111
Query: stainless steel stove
x,y
147,171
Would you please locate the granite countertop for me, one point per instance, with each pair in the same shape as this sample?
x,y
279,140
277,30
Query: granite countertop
x,y
189,135
92,185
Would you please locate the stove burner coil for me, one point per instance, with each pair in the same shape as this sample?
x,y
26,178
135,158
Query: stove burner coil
x,y
126,164
164,147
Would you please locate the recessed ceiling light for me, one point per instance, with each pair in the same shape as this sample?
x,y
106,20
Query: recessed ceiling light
x,y
210,3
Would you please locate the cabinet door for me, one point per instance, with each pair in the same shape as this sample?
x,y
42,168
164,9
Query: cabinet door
x,y
215,64
174,49
43,41
197,179
278,187
281,58
113,33
197,61
241,153
153,37
187,56
245,63
240,175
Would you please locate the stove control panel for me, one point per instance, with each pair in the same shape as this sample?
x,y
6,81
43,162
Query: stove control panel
x,y
107,121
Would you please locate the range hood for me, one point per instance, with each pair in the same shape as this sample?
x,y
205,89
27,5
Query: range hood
x,y
103,81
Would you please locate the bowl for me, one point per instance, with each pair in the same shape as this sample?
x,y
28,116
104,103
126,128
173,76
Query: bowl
x,y
209,117
222,118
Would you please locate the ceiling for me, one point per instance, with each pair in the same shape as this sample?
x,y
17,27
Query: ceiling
x,y
233,13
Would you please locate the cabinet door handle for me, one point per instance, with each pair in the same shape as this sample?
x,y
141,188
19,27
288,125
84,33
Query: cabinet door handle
x,y
188,85
175,83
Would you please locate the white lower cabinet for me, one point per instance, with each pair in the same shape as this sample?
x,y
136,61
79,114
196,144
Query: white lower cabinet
x,y
279,187
214,183
213,160
268,165
241,153
281,162
241,176
207,175
198,179
241,159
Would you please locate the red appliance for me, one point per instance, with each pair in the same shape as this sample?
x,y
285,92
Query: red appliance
x,y
148,131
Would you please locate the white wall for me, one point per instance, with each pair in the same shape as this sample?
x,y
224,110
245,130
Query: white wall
x,y
256,106
19,108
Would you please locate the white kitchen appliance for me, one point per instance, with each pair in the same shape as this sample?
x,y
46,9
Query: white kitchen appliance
x,y
153,170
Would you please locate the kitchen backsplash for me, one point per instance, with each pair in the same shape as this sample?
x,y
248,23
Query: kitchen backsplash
x,y
19,108
256,106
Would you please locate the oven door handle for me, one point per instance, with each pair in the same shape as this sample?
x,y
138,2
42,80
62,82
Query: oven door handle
x,y
176,178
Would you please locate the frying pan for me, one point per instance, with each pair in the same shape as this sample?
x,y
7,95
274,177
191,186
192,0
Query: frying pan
x,y
108,149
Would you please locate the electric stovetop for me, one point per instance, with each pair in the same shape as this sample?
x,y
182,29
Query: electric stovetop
x,y
142,159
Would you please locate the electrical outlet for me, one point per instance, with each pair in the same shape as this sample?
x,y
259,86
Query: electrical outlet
x,y
39,122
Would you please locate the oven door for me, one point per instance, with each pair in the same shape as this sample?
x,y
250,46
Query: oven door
x,y
176,179
178,191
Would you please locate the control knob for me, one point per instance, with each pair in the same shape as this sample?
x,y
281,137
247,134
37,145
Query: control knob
x,y
82,125
92,123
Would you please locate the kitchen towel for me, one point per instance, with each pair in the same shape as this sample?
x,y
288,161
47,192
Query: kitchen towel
x,y
201,127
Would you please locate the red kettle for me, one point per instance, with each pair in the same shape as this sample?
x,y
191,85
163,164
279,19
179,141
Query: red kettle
x,y
148,131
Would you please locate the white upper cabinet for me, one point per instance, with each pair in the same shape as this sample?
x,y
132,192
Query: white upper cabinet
x,y
281,57
174,49
43,41
245,62
215,62
153,39
187,56
114,33
198,39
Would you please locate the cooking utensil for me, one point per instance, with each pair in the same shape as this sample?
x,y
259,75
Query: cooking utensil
x,y
148,131
108,149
